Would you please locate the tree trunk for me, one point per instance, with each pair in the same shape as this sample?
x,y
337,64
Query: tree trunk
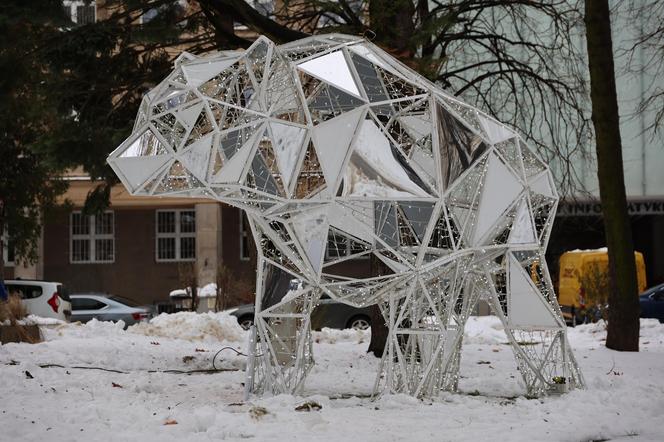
x,y
392,22
2,244
623,325
379,330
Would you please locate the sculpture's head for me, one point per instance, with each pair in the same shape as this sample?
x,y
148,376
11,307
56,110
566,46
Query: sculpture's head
x,y
330,135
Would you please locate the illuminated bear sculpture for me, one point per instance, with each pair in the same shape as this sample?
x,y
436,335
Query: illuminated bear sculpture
x,y
337,152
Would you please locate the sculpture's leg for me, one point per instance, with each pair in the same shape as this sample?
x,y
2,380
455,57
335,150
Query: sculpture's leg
x,y
542,352
426,322
282,351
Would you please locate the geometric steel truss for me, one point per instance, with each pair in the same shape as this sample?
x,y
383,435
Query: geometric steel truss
x,y
337,151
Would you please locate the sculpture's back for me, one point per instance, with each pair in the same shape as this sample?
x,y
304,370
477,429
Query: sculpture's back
x,y
336,151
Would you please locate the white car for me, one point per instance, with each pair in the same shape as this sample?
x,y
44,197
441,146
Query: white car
x,y
42,298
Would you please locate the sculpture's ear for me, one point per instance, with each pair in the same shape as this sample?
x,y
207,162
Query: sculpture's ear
x,y
261,40
183,58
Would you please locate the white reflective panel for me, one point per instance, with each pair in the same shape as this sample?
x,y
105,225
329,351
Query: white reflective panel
x,y
200,72
526,306
189,114
365,52
417,127
378,174
523,230
542,185
196,157
332,141
332,68
137,170
311,229
426,162
231,171
495,131
500,190
287,144
144,146
356,221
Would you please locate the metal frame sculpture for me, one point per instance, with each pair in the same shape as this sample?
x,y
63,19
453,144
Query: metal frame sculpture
x,y
336,151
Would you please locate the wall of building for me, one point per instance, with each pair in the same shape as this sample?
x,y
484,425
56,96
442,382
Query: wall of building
x,y
135,273
9,272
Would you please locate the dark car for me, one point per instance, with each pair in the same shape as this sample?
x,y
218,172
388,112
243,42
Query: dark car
x,y
652,303
328,313
103,307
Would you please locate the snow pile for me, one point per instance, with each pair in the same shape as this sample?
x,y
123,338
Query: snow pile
x,y
208,291
651,329
484,330
38,320
35,320
90,330
193,327
332,336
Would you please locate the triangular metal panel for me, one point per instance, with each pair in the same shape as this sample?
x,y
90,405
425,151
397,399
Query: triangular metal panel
x,y
542,185
189,114
418,214
231,172
332,141
523,230
311,229
416,126
196,157
137,170
147,144
500,190
495,131
374,170
287,144
526,306
333,69
198,73
348,220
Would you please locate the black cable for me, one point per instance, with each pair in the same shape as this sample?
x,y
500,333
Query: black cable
x,y
228,348
81,367
214,367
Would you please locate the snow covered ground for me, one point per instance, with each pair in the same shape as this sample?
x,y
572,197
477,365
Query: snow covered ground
x,y
140,400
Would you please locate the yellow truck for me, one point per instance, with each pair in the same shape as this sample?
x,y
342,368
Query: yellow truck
x,y
585,265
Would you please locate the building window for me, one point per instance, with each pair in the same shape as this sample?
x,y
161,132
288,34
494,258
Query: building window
x,y
176,235
80,12
263,7
7,249
341,245
245,236
92,238
178,7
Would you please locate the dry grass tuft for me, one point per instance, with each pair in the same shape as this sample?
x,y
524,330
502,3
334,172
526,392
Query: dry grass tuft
x,y
12,310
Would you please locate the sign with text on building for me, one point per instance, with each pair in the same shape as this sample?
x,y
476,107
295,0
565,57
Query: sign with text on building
x,y
594,208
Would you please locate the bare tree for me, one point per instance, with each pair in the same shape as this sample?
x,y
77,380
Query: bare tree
x,y
188,277
519,60
232,288
623,325
646,58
